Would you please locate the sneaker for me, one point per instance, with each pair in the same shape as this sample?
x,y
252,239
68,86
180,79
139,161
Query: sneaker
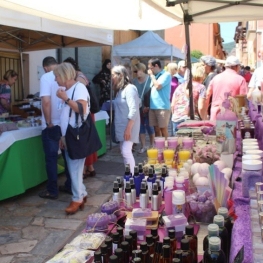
x,y
64,189
142,150
45,194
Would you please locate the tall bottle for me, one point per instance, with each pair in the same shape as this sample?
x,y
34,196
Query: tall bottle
x,y
160,199
150,181
119,253
128,196
214,254
97,256
155,198
120,231
171,235
193,242
157,251
126,252
119,180
113,259
154,233
150,244
147,191
116,192
143,196
226,122
223,234
178,254
145,252
129,239
187,255
133,234
137,180
127,175
213,231
133,191
115,241
108,242
141,173
162,179
104,252
166,254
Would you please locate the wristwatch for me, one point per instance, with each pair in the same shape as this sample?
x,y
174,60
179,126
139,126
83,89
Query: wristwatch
x,y
67,100
47,124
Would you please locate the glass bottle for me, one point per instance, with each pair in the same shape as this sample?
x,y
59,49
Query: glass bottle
x,y
119,253
176,260
115,240
97,256
166,254
104,253
213,231
129,239
150,244
223,234
108,242
214,254
167,241
171,235
136,253
137,260
178,254
113,259
187,255
154,233
193,242
120,231
126,252
145,253
157,251
133,234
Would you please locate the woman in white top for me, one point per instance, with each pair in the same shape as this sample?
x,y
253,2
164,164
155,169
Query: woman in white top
x,y
65,77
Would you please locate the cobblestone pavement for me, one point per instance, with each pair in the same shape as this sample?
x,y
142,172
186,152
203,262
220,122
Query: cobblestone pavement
x,y
34,229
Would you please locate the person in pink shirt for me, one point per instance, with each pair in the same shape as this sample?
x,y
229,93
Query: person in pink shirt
x,y
227,81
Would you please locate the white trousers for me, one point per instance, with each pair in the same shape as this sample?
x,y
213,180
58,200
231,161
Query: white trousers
x,y
126,151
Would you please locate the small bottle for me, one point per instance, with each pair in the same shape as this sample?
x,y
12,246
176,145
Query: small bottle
x,y
136,254
119,253
162,179
150,181
143,196
150,244
145,252
223,234
126,252
154,233
141,173
187,255
178,200
97,256
119,180
116,192
108,242
137,260
133,191
193,242
157,251
127,175
113,259
171,235
160,198
115,241
120,231
137,180
104,253
133,234
176,260
167,241
213,231
155,198
129,239
178,254
166,254
128,196
214,254
147,191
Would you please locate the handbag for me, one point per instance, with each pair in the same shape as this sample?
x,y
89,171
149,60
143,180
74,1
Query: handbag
x,y
94,103
81,140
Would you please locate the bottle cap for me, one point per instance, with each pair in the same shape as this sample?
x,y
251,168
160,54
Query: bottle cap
x,y
252,165
136,170
133,234
155,189
214,243
140,166
219,220
108,241
127,169
175,260
97,255
115,237
166,241
166,251
171,233
150,172
223,211
131,180
257,152
149,239
189,230
118,179
157,181
143,247
178,197
164,172
115,187
185,244
213,230
136,253
113,259
154,232
120,231
119,253
125,245
178,254
128,188
251,157
104,248
137,260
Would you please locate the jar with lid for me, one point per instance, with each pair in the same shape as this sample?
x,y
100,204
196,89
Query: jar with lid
x,y
178,201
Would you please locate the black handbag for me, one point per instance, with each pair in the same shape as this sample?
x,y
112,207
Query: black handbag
x,y
84,140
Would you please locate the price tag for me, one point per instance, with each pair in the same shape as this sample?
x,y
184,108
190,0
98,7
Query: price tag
x,y
240,256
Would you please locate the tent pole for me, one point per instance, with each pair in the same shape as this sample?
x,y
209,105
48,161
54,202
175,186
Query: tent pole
x,y
189,66
111,95
22,74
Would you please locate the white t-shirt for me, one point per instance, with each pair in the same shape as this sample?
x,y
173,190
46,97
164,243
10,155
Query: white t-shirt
x,y
80,93
256,78
49,87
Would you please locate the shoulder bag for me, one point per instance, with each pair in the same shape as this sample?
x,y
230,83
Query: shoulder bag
x,y
81,140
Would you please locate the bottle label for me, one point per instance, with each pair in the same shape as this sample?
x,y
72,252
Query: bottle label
x,y
114,246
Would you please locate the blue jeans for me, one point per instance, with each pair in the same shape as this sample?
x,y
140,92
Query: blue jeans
x,y
175,125
75,168
68,179
50,140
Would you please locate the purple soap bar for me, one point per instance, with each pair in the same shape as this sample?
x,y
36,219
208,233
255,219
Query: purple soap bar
x,y
140,212
175,220
138,224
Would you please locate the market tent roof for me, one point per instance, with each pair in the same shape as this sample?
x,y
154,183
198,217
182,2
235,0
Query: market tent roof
x,y
149,44
22,32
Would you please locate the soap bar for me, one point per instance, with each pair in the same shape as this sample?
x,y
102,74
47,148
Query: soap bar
x,y
175,220
140,212
138,224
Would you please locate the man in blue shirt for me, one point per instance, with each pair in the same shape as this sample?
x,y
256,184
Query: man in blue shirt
x,y
160,107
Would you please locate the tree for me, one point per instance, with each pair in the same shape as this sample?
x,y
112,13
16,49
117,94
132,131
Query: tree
x,y
197,54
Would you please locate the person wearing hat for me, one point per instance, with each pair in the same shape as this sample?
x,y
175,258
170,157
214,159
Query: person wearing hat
x,y
209,63
181,69
227,81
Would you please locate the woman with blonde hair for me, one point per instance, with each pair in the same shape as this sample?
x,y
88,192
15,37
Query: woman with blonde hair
x,y
127,116
180,100
75,92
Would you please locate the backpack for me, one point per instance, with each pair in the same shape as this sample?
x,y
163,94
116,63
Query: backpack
x,y
94,104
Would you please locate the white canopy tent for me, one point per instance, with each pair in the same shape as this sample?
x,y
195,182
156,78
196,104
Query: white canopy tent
x,y
149,44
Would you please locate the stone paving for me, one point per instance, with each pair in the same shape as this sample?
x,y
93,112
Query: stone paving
x,y
34,229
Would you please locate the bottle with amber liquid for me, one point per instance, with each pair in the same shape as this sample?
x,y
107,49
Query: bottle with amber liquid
x,y
178,254
133,234
214,253
154,233
119,253
115,241
145,253
97,256
176,260
126,252
104,253
129,239
166,254
150,244
193,242
108,242
157,251
113,259
171,235
187,255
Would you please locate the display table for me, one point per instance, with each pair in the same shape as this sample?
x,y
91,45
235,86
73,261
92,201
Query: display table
x,y
22,163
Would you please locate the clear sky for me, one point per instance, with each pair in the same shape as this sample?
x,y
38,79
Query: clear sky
x,y
228,31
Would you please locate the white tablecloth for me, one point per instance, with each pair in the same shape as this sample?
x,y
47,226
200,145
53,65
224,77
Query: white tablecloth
x,y
10,137
102,115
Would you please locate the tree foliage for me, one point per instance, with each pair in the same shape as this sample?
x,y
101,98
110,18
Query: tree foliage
x,y
197,54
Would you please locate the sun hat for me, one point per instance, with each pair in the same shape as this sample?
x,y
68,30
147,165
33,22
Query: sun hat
x,y
232,61
208,60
